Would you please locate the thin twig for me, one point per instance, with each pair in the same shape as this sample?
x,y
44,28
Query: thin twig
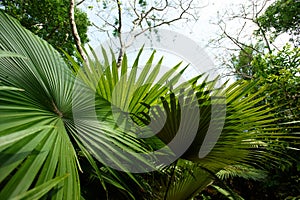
x,y
80,2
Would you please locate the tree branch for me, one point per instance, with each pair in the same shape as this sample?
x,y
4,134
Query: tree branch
x,y
144,19
184,10
142,16
237,42
261,29
80,2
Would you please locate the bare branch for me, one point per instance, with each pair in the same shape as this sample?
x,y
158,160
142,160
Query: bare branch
x,y
261,29
120,16
237,42
240,32
99,28
106,21
77,4
265,37
184,11
142,16
235,72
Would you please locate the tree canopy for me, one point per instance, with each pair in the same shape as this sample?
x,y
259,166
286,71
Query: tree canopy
x,y
283,16
276,68
49,19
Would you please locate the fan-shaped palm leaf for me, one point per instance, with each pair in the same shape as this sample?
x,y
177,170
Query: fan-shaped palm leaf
x,y
33,154
249,135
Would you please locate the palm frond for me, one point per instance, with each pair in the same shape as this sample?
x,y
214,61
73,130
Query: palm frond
x,y
34,154
249,134
241,171
46,153
188,182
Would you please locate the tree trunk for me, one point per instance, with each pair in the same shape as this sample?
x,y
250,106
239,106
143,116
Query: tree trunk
x,y
75,32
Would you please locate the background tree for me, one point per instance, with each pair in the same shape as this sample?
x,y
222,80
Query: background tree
x,y
277,66
258,57
283,16
49,20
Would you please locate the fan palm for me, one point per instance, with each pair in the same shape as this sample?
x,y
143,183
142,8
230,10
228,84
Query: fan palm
x,y
59,118
37,131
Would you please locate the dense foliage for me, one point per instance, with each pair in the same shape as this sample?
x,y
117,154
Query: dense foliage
x,y
49,20
278,70
279,73
283,16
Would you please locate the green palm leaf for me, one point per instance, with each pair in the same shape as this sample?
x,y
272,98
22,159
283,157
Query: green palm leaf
x,y
39,155
32,153
246,126
39,191
249,135
128,94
